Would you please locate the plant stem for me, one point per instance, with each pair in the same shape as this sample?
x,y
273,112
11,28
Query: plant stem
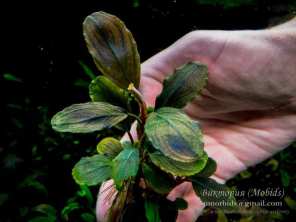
x,y
135,116
140,129
143,108
130,137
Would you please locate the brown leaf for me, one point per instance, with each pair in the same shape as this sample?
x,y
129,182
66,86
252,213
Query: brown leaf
x,y
113,48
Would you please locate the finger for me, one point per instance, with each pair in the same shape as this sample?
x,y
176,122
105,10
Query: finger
x,y
202,46
194,209
155,69
133,132
164,63
105,199
195,206
179,191
107,192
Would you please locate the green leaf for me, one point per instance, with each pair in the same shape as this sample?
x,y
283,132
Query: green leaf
x,y
102,89
221,217
230,4
46,209
85,192
67,210
34,184
126,164
113,48
152,211
87,70
245,174
87,217
109,147
285,178
183,86
87,117
157,180
177,168
213,193
43,219
181,204
273,164
174,134
290,202
11,77
209,169
92,170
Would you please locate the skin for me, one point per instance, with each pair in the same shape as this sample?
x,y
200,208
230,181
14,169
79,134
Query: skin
x,y
247,110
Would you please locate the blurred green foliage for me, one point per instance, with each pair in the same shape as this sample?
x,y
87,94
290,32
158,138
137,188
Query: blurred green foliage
x,y
37,162
230,4
227,3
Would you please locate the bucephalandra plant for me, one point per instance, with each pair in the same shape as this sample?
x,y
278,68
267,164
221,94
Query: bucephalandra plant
x,y
168,149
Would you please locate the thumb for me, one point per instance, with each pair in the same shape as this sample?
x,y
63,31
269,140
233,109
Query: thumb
x,y
202,46
105,199
195,205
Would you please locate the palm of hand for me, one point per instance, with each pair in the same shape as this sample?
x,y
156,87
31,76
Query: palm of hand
x,y
246,110
240,109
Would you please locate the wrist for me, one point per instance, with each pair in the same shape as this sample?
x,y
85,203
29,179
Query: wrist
x,y
283,40
287,25
284,36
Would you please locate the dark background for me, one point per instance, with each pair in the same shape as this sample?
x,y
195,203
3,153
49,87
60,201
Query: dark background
x,y
42,49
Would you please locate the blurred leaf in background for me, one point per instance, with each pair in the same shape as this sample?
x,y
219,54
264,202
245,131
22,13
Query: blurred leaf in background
x,y
11,77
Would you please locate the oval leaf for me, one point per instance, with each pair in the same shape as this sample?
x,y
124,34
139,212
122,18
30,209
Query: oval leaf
x,y
101,89
109,147
88,217
126,164
209,169
46,209
87,117
212,192
174,134
183,85
92,170
177,168
157,180
113,48
152,211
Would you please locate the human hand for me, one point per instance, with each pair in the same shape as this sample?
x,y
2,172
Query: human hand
x,y
247,110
